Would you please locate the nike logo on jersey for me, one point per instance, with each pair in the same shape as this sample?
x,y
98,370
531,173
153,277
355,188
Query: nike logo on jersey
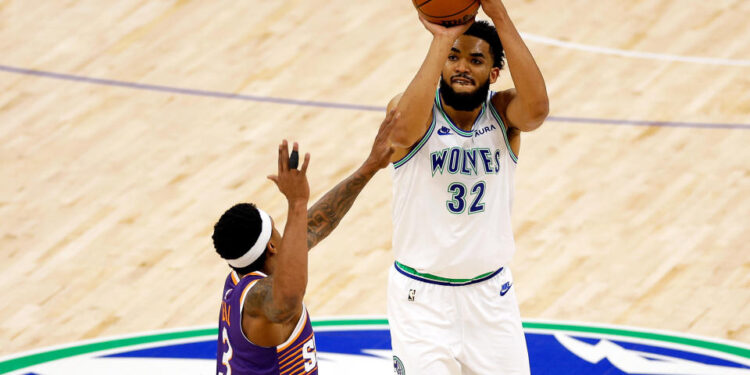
x,y
468,162
443,131
505,288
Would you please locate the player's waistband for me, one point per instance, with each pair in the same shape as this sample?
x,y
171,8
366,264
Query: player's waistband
x,y
433,279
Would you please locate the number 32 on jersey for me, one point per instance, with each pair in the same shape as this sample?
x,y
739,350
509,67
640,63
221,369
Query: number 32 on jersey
x,y
459,202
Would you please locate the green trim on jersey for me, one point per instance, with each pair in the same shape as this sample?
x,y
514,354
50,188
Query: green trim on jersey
x,y
418,147
505,133
458,130
428,276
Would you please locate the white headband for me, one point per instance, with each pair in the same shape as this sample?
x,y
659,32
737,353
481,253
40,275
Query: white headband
x,y
260,244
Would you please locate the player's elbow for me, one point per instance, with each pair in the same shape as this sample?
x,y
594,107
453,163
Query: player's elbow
x,y
537,112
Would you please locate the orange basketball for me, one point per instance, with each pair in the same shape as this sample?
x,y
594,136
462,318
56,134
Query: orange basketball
x,y
447,12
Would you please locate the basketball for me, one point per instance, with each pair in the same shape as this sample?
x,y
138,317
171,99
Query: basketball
x,y
447,12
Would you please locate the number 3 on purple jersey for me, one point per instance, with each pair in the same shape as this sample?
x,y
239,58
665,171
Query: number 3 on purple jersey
x,y
228,354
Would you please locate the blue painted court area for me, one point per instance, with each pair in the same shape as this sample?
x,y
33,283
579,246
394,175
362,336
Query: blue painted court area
x,y
362,346
547,353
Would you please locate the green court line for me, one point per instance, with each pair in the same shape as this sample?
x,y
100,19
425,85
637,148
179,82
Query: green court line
x,y
350,322
55,354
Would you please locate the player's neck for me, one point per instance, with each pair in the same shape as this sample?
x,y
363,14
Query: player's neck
x,y
463,119
269,267
266,271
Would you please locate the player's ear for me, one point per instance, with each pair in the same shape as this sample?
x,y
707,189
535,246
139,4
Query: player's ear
x,y
274,241
494,73
271,248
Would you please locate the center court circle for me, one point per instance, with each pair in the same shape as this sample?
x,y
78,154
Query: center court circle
x,y
363,344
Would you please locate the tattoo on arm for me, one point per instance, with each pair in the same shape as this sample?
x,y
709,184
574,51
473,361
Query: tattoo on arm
x,y
259,302
256,297
327,212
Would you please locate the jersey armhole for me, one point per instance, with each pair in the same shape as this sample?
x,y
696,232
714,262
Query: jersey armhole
x,y
504,129
242,308
297,330
419,145
293,336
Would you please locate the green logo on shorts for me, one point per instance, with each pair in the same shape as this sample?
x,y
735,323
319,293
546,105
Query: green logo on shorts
x,y
398,367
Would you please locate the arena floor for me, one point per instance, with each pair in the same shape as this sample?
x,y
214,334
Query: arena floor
x,y
127,127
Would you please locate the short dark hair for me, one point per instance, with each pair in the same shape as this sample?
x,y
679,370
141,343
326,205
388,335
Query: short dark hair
x,y
487,32
236,232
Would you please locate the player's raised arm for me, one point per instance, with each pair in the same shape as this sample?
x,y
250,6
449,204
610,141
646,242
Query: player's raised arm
x,y
327,212
283,302
527,106
415,104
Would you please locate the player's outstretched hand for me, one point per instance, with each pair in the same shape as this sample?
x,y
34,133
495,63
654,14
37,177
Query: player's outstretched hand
x,y
290,181
380,155
452,32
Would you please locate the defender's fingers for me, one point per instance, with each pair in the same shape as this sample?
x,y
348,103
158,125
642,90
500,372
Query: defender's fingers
x,y
294,157
389,115
284,156
387,127
305,163
393,120
293,160
280,161
273,178
388,118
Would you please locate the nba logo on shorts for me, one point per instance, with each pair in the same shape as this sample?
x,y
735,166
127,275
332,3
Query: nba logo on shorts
x,y
398,367
412,292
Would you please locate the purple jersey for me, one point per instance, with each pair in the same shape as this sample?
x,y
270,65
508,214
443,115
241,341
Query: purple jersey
x,y
236,355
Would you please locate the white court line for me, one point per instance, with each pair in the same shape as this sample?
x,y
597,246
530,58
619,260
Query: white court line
x,y
635,54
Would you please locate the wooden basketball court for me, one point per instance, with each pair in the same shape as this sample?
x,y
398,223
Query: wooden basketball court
x,y
128,127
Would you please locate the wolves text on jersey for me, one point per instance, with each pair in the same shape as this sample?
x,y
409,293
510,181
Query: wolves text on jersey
x,y
468,162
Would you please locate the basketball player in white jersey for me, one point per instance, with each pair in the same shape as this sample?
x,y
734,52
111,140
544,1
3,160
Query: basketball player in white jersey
x,y
451,300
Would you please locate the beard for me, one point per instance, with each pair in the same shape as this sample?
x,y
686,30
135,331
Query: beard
x,y
464,101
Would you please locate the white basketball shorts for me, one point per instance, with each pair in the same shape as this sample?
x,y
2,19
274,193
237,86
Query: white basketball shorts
x,y
447,327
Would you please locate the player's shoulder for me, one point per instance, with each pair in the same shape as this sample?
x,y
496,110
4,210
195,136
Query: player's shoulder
x,y
245,282
252,276
501,99
251,292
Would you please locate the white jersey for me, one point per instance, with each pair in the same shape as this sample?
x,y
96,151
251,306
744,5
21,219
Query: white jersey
x,y
452,198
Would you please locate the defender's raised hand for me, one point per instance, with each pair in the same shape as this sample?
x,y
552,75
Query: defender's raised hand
x,y
291,182
380,155
327,212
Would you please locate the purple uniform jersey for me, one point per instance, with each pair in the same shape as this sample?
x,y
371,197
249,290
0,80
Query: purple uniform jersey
x,y
236,355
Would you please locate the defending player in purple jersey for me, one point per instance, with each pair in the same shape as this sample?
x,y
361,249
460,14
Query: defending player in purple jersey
x,y
295,356
264,327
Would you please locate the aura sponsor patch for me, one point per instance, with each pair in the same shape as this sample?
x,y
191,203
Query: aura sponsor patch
x,y
363,344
